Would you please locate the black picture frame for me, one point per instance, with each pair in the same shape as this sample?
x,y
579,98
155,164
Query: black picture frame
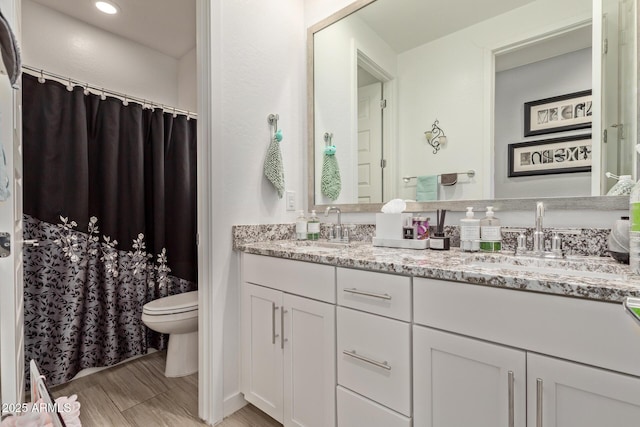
x,y
568,154
558,114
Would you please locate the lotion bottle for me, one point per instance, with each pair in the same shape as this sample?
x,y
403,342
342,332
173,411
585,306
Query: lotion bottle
x,y
490,234
470,232
301,226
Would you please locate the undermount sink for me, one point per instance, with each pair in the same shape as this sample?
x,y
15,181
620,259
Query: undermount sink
x,y
573,267
320,245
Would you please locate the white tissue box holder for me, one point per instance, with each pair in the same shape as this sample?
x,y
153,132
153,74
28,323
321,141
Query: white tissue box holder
x,y
389,226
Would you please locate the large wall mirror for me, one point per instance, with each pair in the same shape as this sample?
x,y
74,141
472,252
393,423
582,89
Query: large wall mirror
x,y
444,103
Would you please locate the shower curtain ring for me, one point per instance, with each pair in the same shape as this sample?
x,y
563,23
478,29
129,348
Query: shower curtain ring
x,y
188,115
69,85
174,113
41,79
86,88
126,101
103,96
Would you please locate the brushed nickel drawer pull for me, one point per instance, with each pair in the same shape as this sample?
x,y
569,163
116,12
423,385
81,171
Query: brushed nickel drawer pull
x,y
274,307
383,365
282,338
538,402
511,399
369,294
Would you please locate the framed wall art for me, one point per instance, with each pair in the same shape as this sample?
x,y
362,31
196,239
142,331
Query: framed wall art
x,y
558,114
550,156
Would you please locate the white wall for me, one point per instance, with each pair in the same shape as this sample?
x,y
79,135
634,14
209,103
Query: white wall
x,y
258,69
336,84
449,79
187,82
63,45
552,77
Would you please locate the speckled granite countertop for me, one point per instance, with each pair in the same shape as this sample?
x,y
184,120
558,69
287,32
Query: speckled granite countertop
x,y
596,278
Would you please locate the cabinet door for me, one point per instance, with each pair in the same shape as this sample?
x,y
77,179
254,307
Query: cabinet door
x,y
261,349
568,394
309,362
460,381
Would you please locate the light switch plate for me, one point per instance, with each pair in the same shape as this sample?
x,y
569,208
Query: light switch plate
x,y
291,200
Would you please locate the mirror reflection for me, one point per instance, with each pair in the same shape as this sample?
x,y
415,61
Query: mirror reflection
x,y
466,100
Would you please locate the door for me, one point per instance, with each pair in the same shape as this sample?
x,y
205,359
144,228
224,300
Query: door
x,y
11,302
459,381
261,346
570,394
309,363
619,82
370,143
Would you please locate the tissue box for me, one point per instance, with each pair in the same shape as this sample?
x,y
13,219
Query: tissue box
x,y
389,226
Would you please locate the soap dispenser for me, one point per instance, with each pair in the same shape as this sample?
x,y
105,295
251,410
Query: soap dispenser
x,y
470,232
313,226
301,226
490,234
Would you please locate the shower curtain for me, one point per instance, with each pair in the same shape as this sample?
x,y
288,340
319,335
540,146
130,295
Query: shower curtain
x,y
110,195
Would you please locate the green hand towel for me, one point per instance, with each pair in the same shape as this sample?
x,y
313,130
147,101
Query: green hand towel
x,y
427,188
273,168
330,183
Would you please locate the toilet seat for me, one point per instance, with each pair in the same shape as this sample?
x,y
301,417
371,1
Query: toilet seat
x,y
174,304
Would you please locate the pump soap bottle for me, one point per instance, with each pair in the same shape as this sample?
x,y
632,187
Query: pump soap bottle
x,y
301,226
490,235
470,232
313,226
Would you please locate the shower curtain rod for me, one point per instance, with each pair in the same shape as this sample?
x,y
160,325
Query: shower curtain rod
x,y
101,90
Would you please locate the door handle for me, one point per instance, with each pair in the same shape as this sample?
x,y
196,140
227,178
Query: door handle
x,y
274,307
282,338
511,399
31,243
352,353
538,402
365,293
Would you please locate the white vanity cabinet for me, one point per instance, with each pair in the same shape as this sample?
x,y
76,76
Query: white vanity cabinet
x,y
288,340
492,357
373,349
567,394
460,381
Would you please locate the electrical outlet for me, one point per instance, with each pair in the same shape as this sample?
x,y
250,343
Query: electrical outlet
x,y
291,200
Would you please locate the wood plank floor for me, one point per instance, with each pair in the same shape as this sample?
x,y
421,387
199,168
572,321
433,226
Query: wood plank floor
x,y
137,394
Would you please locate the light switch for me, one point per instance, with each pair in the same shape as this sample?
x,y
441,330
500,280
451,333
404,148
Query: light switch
x,y
291,200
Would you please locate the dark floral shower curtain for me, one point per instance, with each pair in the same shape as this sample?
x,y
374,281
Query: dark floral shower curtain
x,y
110,195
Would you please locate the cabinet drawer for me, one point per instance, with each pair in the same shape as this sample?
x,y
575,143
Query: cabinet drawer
x,y
306,279
355,410
379,293
590,332
375,340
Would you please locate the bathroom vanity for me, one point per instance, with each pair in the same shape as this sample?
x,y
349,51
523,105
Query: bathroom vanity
x,y
355,335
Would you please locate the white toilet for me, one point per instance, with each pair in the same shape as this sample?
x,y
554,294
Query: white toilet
x,y
176,315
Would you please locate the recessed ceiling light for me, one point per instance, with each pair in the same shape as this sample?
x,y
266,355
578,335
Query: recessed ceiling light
x,y
107,7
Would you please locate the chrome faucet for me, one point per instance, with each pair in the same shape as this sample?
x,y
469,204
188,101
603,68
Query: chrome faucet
x,y
538,234
539,248
337,233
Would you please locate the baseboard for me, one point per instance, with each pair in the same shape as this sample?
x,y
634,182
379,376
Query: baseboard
x,y
233,403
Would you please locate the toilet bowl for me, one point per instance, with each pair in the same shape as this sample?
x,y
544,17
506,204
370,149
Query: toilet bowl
x,y
176,315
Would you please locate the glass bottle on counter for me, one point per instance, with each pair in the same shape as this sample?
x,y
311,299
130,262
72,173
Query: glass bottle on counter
x,y
313,226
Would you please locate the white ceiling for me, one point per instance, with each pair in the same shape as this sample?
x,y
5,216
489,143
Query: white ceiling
x,y
406,24
168,26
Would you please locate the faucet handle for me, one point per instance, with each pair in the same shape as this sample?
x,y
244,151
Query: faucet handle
x,y
556,240
522,239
